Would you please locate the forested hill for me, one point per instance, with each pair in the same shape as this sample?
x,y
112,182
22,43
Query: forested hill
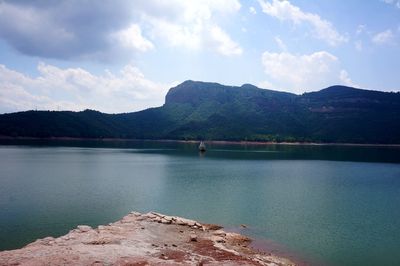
x,y
201,110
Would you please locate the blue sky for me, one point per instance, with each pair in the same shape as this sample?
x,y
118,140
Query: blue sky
x,y
122,55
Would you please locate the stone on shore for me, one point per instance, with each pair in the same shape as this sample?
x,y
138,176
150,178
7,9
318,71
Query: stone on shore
x,y
143,239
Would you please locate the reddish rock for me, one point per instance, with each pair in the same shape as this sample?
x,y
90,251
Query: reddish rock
x,y
143,239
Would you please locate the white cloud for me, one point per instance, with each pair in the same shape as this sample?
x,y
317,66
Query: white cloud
x,y
383,37
252,10
322,29
345,79
358,45
266,85
396,3
132,37
111,29
223,42
191,24
301,73
360,29
77,89
280,43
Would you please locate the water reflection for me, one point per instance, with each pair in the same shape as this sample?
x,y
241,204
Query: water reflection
x,y
389,154
316,200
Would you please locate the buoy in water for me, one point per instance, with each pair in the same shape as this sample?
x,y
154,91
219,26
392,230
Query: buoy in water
x,y
202,147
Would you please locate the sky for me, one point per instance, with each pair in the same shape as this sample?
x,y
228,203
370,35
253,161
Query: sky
x,y
123,55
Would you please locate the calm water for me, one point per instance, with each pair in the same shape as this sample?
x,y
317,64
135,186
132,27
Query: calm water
x,y
333,205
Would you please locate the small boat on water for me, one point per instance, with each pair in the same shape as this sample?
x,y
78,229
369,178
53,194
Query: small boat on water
x,y
202,147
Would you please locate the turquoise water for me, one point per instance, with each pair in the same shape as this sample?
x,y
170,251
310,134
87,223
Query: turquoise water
x,y
332,205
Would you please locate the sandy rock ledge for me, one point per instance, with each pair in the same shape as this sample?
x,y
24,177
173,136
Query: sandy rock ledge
x,y
143,239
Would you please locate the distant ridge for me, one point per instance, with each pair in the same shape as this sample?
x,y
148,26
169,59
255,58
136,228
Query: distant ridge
x,y
203,110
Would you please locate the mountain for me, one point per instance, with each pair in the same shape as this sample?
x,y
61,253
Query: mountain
x,y
202,110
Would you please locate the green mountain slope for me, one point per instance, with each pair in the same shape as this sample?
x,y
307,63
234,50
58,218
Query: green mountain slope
x,y
201,110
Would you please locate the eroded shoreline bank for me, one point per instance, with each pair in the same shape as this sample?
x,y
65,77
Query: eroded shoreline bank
x,y
144,239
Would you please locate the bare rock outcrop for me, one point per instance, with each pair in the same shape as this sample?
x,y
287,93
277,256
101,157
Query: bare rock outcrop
x,y
143,239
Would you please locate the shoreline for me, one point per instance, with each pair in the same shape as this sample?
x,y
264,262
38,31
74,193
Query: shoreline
x,y
268,246
145,239
217,142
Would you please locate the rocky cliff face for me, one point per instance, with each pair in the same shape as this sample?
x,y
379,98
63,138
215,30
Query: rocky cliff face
x,y
143,239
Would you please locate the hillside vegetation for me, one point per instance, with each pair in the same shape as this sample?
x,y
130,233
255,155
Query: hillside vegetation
x,y
211,111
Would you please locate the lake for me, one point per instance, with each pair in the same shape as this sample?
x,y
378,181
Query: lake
x,y
331,205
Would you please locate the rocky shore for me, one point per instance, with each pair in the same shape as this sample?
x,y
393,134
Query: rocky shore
x,y
143,239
